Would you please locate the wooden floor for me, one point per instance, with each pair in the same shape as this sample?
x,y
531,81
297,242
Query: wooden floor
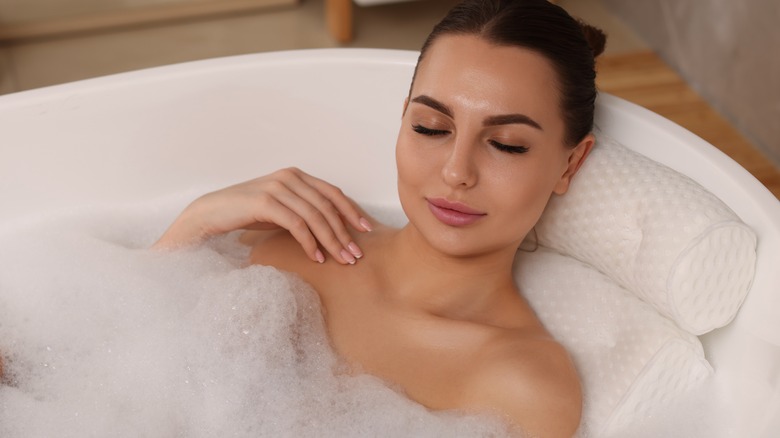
x,y
643,78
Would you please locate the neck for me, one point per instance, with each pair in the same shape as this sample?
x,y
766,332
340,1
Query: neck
x,y
458,287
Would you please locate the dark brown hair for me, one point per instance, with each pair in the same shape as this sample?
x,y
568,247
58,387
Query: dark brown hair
x,y
570,45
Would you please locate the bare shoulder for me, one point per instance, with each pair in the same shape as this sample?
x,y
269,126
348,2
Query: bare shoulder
x,y
279,248
276,248
531,380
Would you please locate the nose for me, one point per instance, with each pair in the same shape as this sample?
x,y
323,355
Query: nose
x,y
460,167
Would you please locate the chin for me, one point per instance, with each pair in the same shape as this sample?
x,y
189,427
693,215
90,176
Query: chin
x,y
461,242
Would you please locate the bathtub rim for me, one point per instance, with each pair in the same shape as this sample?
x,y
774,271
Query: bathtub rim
x,y
621,119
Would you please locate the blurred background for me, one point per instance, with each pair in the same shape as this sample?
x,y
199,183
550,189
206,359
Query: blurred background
x,y
712,66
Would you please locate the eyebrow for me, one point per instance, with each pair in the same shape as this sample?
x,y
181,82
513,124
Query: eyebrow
x,y
502,119
508,119
433,103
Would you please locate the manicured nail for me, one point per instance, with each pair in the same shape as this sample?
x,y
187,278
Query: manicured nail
x,y
349,258
353,248
365,224
318,255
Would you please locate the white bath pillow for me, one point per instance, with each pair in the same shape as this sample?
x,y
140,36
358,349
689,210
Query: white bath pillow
x,y
631,359
657,233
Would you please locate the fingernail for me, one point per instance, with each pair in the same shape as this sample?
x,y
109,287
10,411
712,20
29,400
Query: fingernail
x,y
318,255
353,248
349,258
365,224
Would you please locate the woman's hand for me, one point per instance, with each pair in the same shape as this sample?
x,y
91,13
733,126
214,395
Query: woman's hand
x,y
312,210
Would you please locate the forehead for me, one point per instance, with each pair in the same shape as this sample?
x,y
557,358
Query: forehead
x,y
471,70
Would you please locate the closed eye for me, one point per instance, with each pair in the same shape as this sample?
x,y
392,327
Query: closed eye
x,y
508,148
420,129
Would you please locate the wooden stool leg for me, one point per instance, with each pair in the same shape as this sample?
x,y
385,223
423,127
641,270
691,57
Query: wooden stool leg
x,y
338,14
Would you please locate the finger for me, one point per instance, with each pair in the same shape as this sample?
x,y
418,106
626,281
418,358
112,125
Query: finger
x,y
276,212
346,207
315,219
292,178
329,211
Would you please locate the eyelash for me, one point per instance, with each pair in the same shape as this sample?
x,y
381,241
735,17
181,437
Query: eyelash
x,y
420,129
500,146
510,149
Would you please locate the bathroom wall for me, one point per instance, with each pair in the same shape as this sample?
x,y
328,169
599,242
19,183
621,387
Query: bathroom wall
x,y
14,11
729,51
22,20
7,84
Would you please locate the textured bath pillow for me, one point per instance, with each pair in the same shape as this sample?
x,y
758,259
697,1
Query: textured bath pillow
x,y
632,361
655,232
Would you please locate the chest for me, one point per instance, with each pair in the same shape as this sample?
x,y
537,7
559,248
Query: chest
x,y
430,359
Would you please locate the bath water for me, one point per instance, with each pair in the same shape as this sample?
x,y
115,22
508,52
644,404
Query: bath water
x,y
102,337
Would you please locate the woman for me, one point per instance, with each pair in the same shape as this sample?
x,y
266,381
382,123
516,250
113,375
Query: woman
x,y
498,119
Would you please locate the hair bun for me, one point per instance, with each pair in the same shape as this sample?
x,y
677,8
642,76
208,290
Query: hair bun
x,y
595,37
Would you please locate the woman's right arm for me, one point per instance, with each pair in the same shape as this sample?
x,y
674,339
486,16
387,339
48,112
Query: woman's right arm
x,y
315,212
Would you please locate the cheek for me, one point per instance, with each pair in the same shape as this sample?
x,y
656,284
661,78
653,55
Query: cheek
x,y
406,167
411,164
402,161
525,192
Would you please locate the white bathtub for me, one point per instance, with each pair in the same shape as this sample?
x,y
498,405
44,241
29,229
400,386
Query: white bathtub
x,y
140,135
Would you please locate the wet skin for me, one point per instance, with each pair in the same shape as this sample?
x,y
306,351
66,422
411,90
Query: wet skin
x,y
432,307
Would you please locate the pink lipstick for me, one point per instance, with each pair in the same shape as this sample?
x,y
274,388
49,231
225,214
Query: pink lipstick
x,y
453,214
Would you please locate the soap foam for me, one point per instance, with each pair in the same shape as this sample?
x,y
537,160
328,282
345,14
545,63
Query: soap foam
x,y
103,337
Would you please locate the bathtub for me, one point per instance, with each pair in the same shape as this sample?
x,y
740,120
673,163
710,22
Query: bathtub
x,y
141,135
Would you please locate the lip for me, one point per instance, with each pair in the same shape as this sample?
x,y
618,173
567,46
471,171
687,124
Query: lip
x,y
453,213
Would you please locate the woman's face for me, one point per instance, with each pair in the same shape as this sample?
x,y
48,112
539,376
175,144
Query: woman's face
x,y
481,149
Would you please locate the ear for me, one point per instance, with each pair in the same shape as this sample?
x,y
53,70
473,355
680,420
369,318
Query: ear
x,y
406,105
577,156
